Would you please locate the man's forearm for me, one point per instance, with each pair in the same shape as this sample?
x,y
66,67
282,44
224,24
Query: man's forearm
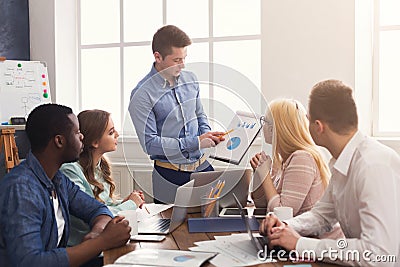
x,y
99,223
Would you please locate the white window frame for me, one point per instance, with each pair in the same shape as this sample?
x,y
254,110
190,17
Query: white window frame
x,y
211,40
375,66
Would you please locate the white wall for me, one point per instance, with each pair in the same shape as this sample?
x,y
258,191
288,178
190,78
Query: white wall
x,y
305,42
53,40
42,36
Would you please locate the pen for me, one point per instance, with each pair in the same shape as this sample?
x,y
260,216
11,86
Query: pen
x,y
147,209
220,185
217,188
220,189
228,132
211,192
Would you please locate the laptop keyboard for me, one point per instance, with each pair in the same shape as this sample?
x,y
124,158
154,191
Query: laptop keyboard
x,y
159,225
261,240
264,241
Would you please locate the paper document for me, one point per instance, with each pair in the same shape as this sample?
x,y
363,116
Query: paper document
x,y
234,250
161,257
242,131
153,210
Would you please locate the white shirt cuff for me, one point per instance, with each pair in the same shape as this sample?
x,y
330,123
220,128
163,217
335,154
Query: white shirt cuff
x,y
306,243
198,139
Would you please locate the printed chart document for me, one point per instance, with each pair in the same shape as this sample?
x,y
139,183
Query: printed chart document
x,y
233,250
241,133
163,257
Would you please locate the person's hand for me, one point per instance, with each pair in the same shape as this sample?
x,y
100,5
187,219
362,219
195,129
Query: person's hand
x,y
278,233
254,161
141,195
268,223
211,139
261,160
283,236
137,197
116,233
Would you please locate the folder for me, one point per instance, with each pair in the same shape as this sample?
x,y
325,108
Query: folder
x,y
220,224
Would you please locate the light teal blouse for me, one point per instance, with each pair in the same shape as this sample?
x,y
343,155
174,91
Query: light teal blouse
x,y
75,173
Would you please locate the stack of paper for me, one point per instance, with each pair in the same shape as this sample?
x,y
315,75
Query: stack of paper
x,y
162,257
234,250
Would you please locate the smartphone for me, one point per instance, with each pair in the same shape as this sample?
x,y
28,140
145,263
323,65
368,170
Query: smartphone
x,y
150,238
234,212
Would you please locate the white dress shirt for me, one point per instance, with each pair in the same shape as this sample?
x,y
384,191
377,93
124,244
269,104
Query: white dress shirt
x,y
364,196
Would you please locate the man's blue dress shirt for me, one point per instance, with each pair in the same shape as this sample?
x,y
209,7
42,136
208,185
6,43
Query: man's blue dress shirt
x,y
169,119
28,227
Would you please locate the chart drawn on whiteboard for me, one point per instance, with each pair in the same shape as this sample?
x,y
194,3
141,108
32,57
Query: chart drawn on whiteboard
x,y
23,86
245,128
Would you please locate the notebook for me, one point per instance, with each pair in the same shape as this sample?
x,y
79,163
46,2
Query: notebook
x,y
165,226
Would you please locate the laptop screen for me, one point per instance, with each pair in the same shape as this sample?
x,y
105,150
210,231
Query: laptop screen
x,y
245,219
236,181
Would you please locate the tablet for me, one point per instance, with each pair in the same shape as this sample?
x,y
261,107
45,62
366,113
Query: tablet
x,y
234,212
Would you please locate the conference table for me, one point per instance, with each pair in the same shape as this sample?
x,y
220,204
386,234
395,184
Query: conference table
x,y
181,239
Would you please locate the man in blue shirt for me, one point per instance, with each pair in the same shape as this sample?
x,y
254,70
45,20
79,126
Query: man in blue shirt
x,y
168,116
36,199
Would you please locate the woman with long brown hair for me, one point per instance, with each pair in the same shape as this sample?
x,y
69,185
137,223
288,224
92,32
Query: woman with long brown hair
x,y
92,172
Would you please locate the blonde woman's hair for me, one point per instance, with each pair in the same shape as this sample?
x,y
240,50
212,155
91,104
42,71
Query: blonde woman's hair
x,y
290,132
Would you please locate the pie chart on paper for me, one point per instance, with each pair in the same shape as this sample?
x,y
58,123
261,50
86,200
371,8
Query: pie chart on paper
x,y
233,143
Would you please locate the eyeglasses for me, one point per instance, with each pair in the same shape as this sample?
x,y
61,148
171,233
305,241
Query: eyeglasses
x,y
263,121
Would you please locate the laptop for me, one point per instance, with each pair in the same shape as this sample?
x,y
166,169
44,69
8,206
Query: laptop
x,y
163,226
236,181
259,242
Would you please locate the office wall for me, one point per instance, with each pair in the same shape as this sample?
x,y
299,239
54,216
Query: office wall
x,y
14,29
42,35
53,40
304,42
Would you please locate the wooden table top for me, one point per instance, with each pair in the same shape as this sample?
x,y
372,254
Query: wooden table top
x,y
181,239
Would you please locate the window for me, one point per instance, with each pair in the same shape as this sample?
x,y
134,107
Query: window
x,y
114,49
386,68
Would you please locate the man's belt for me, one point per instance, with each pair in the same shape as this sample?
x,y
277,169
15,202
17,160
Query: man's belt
x,y
181,167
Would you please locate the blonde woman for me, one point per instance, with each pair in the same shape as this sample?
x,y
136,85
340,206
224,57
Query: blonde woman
x,y
299,175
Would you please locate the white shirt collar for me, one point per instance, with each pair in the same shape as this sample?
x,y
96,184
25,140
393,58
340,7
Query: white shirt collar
x,y
342,163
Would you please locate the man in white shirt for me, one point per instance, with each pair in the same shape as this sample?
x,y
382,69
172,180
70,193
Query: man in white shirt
x,y
363,193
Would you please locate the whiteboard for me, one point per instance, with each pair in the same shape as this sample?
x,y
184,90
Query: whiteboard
x,y
243,129
23,86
